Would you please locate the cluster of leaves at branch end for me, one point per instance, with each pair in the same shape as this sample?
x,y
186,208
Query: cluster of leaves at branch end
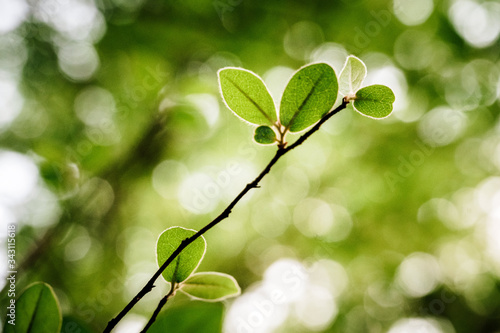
x,y
309,95
205,286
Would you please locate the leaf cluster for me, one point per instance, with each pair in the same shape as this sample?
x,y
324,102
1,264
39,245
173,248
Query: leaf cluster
x,y
309,95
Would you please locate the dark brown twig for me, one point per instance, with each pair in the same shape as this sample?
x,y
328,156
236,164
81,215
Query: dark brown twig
x,y
161,304
254,184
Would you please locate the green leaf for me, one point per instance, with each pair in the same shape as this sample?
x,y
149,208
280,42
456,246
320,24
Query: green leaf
x,y
71,324
264,135
190,317
210,286
187,261
37,311
352,76
247,96
374,101
309,95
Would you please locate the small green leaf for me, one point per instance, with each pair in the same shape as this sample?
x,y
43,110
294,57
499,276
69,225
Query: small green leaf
x,y
36,311
187,261
210,286
352,76
374,101
72,324
247,96
309,95
264,135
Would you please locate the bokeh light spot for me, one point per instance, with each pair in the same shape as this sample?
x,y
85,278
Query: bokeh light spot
x,y
317,310
276,79
256,311
78,247
11,101
14,54
79,61
316,218
287,275
411,12
266,305
441,126
478,24
95,105
77,20
166,177
12,14
329,274
43,209
134,244
424,325
331,53
418,274
132,323
32,124
492,232
414,49
207,105
460,263
199,193
301,39
18,177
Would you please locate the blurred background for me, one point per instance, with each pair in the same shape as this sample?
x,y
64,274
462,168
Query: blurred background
x,y
112,129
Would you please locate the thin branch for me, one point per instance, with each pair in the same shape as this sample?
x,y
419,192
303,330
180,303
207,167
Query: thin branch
x,y
254,184
318,125
161,304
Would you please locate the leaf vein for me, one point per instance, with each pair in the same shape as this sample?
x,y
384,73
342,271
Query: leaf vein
x,y
304,102
32,320
251,100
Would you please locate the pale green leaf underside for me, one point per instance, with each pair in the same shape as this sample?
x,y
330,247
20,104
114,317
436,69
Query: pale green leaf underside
x,y
37,311
352,76
264,135
309,95
187,261
247,96
210,286
374,101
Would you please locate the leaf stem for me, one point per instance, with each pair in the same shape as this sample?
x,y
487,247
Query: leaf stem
x,y
282,132
254,184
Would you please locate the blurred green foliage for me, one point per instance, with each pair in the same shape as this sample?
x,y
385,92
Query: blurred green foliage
x,y
112,129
